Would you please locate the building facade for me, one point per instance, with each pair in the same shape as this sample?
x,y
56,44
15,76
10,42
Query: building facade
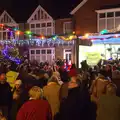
x,y
40,22
93,16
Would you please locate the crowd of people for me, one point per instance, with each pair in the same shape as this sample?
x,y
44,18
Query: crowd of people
x,y
33,91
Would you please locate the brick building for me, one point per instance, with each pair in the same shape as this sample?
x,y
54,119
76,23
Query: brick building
x,y
93,16
41,22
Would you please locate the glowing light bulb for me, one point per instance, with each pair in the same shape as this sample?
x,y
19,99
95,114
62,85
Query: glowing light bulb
x,y
86,35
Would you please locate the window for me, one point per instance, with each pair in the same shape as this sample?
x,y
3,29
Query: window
x,y
117,14
32,52
43,51
110,14
102,15
32,25
49,24
49,51
37,25
37,51
43,25
67,27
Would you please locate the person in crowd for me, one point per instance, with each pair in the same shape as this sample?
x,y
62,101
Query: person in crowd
x,y
12,74
77,103
19,98
6,95
1,116
109,105
73,71
36,108
98,87
51,93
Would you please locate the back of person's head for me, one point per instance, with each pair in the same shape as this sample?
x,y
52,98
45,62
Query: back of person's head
x,y
53,79
35,93
111,89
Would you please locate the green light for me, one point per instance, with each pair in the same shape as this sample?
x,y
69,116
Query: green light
x,y
15,29
28,32
54,37
104,31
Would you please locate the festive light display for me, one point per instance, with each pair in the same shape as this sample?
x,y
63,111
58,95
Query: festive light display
x,y
65,37
7,55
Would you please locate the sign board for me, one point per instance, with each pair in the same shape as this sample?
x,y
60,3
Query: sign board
x,y
93,58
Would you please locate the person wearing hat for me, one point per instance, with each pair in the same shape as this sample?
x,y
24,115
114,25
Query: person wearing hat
x,y
19,97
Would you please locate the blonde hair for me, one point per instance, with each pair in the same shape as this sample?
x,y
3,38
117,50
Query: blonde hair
x,y
35,92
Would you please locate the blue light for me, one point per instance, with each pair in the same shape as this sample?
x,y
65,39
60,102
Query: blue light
x,y
5,54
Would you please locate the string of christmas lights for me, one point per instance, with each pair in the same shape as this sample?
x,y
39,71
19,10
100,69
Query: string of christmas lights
x,y
65,37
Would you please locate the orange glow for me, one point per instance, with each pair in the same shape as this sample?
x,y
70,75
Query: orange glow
x,y
17,32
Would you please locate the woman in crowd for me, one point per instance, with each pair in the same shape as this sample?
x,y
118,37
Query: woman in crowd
x,y
19,97
51,93
36,108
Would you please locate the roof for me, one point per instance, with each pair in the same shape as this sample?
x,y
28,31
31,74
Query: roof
x,y
23,9
109,6
81,3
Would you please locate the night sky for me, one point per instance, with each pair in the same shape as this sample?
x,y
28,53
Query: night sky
x,y
22,9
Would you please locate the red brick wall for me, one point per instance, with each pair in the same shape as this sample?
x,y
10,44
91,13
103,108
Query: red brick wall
x,y
59,25
86,17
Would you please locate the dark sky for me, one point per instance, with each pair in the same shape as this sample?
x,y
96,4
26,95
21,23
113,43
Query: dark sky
x,y
21,9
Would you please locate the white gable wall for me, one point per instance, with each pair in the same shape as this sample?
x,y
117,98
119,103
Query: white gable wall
x,y
6,19
41,22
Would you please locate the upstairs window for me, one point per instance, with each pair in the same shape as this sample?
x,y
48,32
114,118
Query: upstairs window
x,y
67,27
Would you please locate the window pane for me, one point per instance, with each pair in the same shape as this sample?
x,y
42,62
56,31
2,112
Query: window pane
x,y
110,14
37,51
117,14
32,25
102,15
43,25
69,56
110,23
49,24
43,51
49,52
32,52
49,31
101,24
117,22
38,25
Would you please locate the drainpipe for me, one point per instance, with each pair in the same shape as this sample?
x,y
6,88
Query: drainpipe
x,y
76,45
